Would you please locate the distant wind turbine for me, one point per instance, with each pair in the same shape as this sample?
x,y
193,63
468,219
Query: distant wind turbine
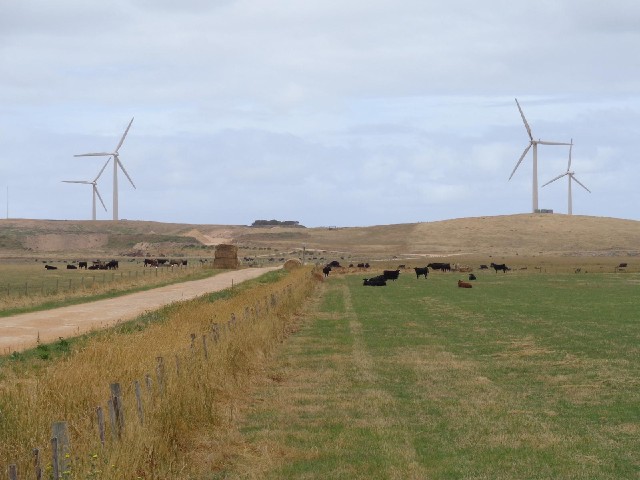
x,y
571,177
116,163
94,182
532,143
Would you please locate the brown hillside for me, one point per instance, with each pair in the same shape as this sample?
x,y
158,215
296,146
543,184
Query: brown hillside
x,y
510,235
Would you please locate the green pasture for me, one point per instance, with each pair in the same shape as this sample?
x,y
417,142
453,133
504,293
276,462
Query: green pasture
x,y
524,376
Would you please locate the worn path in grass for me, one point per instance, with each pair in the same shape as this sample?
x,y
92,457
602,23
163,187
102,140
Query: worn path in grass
x,y
20,332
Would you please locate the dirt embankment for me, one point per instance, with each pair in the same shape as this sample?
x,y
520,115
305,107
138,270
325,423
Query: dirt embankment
x,y
60,242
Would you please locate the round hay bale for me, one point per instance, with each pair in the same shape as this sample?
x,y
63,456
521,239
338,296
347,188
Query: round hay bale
x,y
292,264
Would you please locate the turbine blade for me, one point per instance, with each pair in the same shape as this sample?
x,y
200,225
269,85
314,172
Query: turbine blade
x,y
556,178
76,181
526,125
124,135
526,150
578,182
102,154
103,167
125,172
544,142
95,189
570,148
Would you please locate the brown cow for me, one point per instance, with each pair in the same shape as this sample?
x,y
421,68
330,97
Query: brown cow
x,y
462,284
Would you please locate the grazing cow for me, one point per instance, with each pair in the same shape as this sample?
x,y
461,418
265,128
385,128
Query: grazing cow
x,y
112,265
71,267
472,276
497,267
421,271
334,263
82,265
379,281
50,267
391,274
462,284
152,262
443,267
326,270
484,267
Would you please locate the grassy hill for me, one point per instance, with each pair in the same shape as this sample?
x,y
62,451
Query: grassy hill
x,y
525,235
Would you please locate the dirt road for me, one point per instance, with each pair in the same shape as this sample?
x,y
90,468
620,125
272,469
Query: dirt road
x,y
21,332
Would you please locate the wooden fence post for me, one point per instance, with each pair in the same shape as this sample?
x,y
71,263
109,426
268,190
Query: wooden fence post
x,y
204,346
160,373
118,408
177,365
136,385
36,464
100,415
13,472
63,449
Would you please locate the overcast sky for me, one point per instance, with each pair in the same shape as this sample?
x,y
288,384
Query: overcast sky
x,y
332,113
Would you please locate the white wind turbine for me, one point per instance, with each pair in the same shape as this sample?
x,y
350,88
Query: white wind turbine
x,y
532,143
116,163
570,177
94,183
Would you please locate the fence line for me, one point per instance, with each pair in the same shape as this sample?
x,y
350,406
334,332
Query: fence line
x,y
215,334
58,285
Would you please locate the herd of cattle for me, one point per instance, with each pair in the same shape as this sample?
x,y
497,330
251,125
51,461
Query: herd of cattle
x,y
392,275
113,264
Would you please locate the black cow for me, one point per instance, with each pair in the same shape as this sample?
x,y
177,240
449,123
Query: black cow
x,y
50,267
379,281
152,262
497,267
71,267
326,270
421,271
334,263
82,265
112,265
472,276
443,267
484,267
391,274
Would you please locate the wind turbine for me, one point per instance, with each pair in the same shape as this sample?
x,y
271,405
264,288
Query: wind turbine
x,y
532,143
94,182
116,163
570,177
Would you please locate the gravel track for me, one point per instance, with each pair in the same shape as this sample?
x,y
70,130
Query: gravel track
x,y
21,332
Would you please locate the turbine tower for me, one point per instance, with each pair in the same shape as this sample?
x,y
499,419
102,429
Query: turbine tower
x,y
570,177
532,143
94,182
116,163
